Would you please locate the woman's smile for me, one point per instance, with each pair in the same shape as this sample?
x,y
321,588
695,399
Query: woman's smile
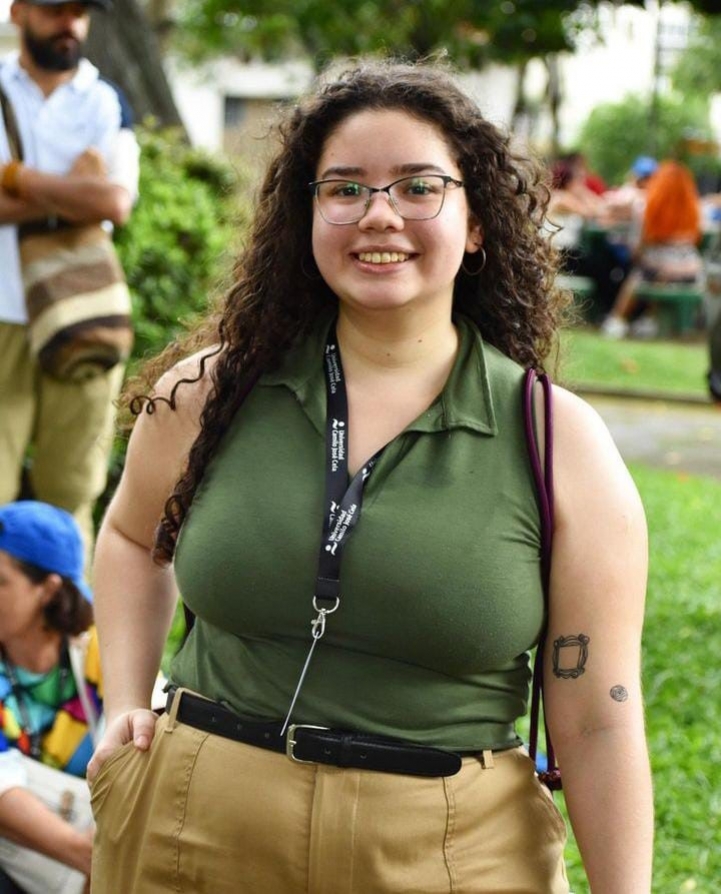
x,y
383,257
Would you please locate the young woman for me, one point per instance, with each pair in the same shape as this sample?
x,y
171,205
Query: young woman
x,y
44,602
346,503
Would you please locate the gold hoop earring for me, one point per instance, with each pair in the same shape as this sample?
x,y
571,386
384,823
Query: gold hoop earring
x,y
482,252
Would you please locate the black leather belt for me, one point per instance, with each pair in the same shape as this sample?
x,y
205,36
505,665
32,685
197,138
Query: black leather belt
x,y
317,744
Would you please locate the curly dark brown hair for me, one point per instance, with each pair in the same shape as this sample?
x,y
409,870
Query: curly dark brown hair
x,y
278,294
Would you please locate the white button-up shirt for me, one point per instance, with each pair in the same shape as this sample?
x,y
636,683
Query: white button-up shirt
x,y
81,114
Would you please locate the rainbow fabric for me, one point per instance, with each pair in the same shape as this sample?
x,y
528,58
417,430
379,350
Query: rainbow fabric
x,y
54,710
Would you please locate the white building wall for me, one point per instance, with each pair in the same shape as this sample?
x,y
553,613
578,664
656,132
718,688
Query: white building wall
x,y
622,63
494,89
200,93
608,70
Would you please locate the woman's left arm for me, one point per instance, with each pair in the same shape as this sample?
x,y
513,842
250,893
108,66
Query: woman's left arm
x,y
592,678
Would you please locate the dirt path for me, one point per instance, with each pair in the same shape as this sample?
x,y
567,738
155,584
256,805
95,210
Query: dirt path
x,y
665,435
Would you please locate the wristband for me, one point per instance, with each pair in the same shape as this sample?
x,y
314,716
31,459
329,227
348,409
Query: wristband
x,y
10,180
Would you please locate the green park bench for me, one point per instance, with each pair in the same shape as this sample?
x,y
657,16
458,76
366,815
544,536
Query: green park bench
x,y
676,305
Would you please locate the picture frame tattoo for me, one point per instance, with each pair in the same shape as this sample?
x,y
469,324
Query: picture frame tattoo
x,y
570,654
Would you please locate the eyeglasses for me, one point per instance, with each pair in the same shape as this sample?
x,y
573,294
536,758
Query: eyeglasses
x,y
419,197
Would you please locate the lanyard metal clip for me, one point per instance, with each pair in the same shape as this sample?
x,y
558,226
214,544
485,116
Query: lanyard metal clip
x,y
318,624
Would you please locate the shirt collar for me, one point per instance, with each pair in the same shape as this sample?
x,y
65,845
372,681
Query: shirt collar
x,y
466,401
83,79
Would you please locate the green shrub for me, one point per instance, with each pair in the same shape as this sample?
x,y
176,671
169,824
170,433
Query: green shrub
x,y
176,245
615,133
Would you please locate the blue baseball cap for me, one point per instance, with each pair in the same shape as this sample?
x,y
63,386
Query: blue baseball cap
x,y
644,166
45,536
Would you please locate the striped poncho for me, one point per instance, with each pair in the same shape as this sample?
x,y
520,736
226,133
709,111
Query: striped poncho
x,y
54,710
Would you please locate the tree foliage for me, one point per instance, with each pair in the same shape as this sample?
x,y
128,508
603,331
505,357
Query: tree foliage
x,y
698,70
707,7
615,133
473,33
176,248
172,249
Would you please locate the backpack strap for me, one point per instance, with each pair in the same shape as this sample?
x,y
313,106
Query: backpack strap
x,y
78,650
12,130
543,477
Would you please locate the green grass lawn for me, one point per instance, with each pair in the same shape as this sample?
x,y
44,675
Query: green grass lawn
x,y
682,681
670,366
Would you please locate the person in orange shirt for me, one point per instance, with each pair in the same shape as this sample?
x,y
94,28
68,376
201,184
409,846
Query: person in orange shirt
x,y
668,247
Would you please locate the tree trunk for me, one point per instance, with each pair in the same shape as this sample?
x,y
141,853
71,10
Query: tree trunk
x,y
554,96
519,105
160,14
125,48
521,118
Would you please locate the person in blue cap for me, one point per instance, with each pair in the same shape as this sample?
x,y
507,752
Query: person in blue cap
x,y
45,607
642,168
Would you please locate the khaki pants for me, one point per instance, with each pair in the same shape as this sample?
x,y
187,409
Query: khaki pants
x,y
67,426
207,815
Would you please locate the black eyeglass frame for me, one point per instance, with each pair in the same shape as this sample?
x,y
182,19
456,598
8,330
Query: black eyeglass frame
x,y
446,178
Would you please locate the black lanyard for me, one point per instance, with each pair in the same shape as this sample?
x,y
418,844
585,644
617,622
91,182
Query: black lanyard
x,y
343,501
20,693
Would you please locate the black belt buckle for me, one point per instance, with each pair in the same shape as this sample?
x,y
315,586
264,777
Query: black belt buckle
x,y
340,749
291,742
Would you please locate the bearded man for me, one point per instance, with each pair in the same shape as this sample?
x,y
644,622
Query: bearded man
x,y
79,165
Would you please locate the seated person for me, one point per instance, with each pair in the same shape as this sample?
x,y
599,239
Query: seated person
x,y
668,247
625,206
591,180
570,197
44,604
627,202
572,206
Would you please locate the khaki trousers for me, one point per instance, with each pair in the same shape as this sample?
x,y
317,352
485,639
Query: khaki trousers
x,y
203,814
66,426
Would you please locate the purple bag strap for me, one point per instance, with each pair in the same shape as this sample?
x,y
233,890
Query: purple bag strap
x,y
543,477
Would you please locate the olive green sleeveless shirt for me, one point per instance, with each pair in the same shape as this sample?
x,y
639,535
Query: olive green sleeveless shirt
x,y
441,596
